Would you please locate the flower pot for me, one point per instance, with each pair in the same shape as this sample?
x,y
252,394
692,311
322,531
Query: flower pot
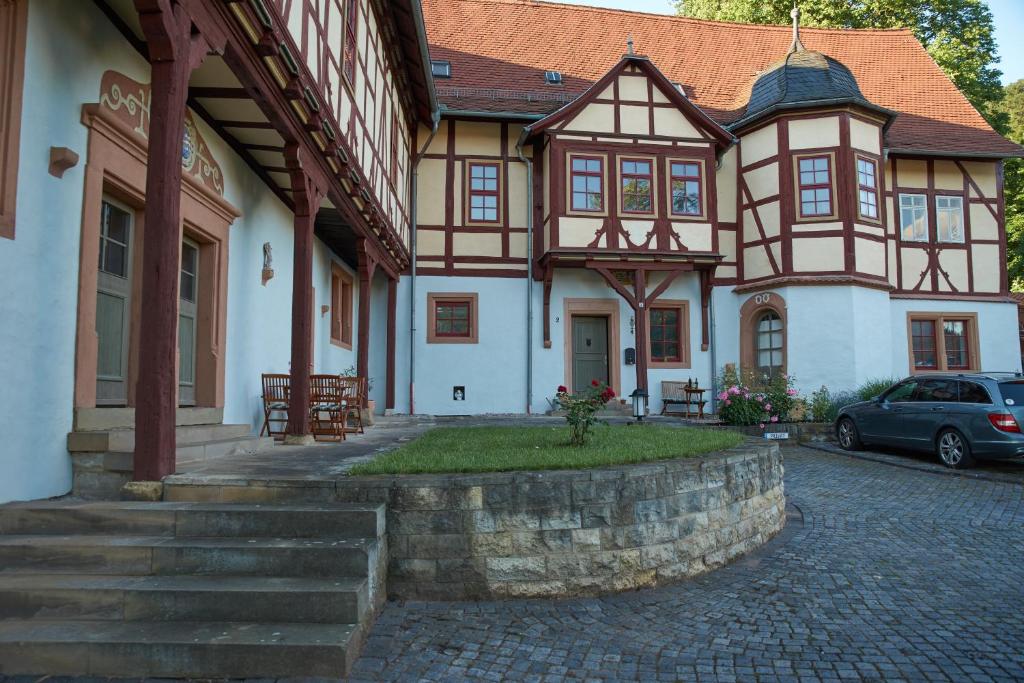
x,y
367,412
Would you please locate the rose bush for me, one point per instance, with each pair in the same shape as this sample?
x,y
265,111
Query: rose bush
x,y
581,407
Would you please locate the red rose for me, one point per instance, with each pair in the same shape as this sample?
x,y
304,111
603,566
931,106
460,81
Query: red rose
x,y
562,389
611,393
595,383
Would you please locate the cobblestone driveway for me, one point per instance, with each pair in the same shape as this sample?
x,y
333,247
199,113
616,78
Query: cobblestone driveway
x,y
892,574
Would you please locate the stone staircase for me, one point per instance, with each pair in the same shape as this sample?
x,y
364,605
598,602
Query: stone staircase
x,y
188,590
103,442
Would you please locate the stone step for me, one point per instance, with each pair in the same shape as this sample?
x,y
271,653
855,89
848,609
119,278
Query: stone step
x,y
337,520
123,440
102,419
177,649
145,555
74,597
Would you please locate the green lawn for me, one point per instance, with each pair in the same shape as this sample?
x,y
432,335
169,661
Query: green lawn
x,y
501,449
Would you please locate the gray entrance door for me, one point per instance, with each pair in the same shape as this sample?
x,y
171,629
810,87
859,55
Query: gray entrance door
x,y
113,304
589,350
187,309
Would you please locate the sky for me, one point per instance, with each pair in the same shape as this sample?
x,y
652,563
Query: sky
x,y
1008,15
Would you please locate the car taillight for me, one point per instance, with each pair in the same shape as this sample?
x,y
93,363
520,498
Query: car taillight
x,y
1004,422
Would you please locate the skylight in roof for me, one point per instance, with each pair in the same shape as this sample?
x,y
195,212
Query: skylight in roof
x,y
440,68
553,77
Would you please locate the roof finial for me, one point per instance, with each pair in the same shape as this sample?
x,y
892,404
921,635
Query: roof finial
x,y
629,44
797,46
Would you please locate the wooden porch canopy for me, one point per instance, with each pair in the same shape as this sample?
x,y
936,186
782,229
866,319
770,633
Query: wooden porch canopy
x,y
617,268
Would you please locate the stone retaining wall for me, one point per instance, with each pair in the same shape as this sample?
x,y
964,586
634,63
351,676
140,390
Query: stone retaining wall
x,y
561,533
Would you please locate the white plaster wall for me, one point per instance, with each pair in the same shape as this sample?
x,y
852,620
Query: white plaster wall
x,y
69,45
997,331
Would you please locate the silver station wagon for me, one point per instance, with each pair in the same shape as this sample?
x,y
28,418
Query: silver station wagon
x,y
959,417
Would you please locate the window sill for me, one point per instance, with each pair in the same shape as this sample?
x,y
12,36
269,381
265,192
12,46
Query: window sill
x,y
669,365
451,340
341,344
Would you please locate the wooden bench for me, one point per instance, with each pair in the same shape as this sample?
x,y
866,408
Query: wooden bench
x,y
673,393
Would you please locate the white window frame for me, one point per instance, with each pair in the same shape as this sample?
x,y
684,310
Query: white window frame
x,y
924,207
949,211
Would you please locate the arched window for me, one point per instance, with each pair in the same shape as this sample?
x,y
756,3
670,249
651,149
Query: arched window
x,y
768,344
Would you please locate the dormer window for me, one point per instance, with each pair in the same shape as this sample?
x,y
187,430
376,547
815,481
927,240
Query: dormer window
x,y
553,77
440,68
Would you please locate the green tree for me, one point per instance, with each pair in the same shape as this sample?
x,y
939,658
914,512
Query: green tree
x,y
1012,108
958,34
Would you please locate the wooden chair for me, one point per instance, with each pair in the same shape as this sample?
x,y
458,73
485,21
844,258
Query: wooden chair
x,y
326,398
354,390
673,393
275,401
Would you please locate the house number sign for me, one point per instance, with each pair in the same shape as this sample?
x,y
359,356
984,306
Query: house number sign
x,y
761,299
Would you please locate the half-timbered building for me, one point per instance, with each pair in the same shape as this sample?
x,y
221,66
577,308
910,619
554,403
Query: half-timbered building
x,y
471,202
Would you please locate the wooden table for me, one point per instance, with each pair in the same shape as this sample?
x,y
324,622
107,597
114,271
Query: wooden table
x,y
695,394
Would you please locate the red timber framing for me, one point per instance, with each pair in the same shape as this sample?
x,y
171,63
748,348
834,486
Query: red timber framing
x,y
844,198
369,261
289,87
176,47
934,281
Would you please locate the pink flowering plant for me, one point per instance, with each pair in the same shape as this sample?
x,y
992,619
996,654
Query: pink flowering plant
x,y
755,402
581,408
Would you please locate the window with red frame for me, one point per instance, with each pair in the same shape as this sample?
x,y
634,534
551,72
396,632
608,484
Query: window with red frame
x,y
867,188
452,318
815,176
923,343
636,176
483,193
351,21
587,183
685,184
954,336
666,335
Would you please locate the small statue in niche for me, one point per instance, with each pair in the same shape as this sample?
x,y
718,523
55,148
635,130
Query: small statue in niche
x,y
268,263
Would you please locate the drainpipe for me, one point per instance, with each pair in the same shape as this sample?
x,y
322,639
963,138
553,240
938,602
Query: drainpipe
x,y
711,343
435,121
529,268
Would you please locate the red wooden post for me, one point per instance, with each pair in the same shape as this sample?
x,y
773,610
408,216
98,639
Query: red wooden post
x,y
640,310
389,398
367,267
173,52
307,196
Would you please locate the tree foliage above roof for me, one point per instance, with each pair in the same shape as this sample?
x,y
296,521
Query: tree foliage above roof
x,y
959,34
1012,108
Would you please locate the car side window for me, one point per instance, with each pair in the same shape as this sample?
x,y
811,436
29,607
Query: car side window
x,y
972,392
936,390
901,393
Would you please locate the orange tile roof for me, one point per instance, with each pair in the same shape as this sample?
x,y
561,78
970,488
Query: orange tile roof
x,y
499,50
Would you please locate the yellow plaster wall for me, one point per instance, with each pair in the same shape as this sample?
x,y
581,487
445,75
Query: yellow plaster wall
x,y
985,259
517,188
771,220
438,145
430,200
633,88
984,174
476,244
517,244
694,236
725,181
954,262
817,132
670,121
761,144
430,243
725,272
598,118
727,244
869,256
637,230
817,253
816,227
864,136
983,223
635,119
756,263
763,182
891,249
912,173
912,262
459,180
948,176
474,137
576,231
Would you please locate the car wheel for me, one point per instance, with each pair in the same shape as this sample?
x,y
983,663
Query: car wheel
x,y
953,450
846,434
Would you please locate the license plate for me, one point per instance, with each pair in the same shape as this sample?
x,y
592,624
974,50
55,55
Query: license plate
x,y
778,436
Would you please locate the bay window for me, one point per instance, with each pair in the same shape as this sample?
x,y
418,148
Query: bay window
x,y
814,185
867,188
636,177
685,188
586,184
